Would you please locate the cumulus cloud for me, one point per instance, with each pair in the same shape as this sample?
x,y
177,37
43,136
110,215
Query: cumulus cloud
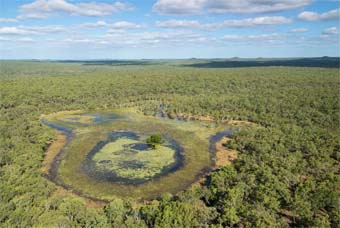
x,y
44,29
188,24
33,30
331,31
21,39
119,25
281,39
8,20
179,24
313,16
248,22
126,25
97,24
275,20
185,7
14,31
128,38
299,30
179,37
44,8
179,7
251,38
253,6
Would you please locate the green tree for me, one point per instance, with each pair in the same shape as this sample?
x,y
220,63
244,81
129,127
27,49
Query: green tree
x,y
154,140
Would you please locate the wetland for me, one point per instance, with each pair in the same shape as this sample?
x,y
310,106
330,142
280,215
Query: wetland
x,y
106,153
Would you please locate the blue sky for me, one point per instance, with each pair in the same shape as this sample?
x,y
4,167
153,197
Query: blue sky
x,y
135,29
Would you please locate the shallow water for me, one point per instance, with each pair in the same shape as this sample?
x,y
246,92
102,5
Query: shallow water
x,y
140,146
161,113
66,130
101,118
217,137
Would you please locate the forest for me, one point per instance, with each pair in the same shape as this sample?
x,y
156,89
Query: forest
x,y
286,173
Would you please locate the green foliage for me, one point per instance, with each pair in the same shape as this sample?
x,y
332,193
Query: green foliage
x,y
177,213
120,213
286,173
154,140
70,212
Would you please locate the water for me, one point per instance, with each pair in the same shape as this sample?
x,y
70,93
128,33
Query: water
x,y
217,137
122,134
66,130
164,115
52,174
101,118
161,113
140,146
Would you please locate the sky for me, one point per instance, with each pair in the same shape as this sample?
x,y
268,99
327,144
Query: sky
x,y
152,29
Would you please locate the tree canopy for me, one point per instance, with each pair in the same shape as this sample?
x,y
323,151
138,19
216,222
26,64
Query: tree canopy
x,y
286,173
154,139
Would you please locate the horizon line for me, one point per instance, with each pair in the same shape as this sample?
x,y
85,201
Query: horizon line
x,y
138,59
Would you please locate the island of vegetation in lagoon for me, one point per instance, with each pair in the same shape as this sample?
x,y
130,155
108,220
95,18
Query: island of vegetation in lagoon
x,y
85,125
116,153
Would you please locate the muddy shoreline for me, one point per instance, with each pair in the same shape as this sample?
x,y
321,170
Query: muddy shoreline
x,y
51,174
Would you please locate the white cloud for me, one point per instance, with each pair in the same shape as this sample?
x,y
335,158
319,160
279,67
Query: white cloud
x,y
78,40
14,31
280,39
179,24
114,25
44,8
126,25
44,29
275,20
299,30
331,31
248,22
172,36
128,38
97,24
233,37
34,30
251,38
178,7
253,6
185,7
21,39
8,20
313,16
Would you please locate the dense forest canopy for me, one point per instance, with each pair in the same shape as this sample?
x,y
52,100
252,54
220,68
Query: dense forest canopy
x,y
286,173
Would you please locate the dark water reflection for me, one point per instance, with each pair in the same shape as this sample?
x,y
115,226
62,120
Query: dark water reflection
x,y
140,146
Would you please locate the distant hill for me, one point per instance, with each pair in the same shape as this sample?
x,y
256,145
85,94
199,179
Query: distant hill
x,y
327,62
